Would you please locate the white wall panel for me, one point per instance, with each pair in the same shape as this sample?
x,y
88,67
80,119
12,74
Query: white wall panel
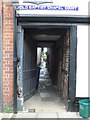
x,y
82,62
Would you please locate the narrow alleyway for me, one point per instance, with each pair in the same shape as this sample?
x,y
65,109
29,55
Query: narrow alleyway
x,y
47,97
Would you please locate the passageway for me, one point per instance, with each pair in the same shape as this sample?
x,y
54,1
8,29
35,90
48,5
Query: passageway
x,y
52,93
47,98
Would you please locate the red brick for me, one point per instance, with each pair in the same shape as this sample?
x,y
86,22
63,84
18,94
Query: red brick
x,y
8,52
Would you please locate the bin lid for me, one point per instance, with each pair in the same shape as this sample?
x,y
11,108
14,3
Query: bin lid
x,y
85,101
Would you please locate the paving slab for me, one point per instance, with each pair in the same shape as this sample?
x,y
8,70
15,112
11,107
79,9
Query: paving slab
x,y
5,115
24,115
47,115
1,115
69,115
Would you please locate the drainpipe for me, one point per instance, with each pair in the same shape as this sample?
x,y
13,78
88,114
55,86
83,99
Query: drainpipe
x,y
2,57
15,61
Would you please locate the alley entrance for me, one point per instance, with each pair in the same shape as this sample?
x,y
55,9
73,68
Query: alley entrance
x,y
46,97
53,82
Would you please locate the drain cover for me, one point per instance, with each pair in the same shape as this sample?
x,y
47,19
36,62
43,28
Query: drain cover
x,y
31,110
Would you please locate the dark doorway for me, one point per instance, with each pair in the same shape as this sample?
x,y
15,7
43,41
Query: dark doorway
x,y
57,40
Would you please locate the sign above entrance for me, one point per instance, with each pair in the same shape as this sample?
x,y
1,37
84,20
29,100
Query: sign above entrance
x,y
52,8
46,7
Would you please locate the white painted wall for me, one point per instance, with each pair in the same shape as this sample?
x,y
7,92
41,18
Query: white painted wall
x,y
82,62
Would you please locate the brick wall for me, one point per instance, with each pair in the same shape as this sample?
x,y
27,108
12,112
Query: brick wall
x,y
62,65
52,58
8,33
66,66
59,54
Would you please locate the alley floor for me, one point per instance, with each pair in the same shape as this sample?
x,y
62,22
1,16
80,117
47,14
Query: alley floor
x,y
47,98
